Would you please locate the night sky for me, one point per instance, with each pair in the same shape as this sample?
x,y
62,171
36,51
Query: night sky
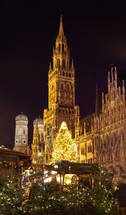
x,y
96,35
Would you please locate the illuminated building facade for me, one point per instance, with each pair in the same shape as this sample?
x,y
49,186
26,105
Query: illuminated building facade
x,y
61,94
102,137
38,141
21,134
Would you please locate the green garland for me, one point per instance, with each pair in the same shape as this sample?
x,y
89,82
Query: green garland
x,y
8,165
71,167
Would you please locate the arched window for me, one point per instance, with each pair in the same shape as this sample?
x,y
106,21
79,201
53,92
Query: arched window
x,y
121,137
46,157
59,47
64,63
103,157
63,73
61,86
114,139
105,143
67,87
117,155
110,156
63,47
52,87
58,62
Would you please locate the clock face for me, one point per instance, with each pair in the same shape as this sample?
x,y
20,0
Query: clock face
x,y
24,141
16,141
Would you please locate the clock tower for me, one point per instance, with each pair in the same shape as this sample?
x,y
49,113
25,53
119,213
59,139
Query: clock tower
x,y
61,93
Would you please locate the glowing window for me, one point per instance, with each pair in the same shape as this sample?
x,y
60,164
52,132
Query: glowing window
x,y
58,62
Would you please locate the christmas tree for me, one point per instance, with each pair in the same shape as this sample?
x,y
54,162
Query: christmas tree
x,y
12,199
64,148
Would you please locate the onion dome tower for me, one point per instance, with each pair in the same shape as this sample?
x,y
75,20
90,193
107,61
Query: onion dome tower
x,y
21,133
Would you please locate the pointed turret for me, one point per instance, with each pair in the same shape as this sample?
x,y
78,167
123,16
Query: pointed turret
x,y
50,67
108,81
123,90
72,64
61,38
36,129
97,101
115,77
61,31
112,72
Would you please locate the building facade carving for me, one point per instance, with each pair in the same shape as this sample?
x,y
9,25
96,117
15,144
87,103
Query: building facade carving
x,y
102,137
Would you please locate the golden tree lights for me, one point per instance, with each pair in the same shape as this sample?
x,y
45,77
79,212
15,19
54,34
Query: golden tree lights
x,y
64,148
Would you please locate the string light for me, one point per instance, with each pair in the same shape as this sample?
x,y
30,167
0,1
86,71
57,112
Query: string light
x,y
63,147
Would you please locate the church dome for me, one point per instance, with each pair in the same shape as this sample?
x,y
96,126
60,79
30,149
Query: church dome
x,y
21,117
39,121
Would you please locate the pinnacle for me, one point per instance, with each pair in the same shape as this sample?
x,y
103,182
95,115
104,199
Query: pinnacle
x,y
61,31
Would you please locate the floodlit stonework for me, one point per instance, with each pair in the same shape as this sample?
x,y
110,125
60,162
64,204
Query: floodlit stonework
x,y
101,136
38,141
21,134
61,94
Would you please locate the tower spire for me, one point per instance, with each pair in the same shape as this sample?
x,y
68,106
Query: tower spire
x,y
61,31
97,101
72,64
36,128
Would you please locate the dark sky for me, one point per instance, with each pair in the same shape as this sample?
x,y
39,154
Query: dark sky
x,y
96,35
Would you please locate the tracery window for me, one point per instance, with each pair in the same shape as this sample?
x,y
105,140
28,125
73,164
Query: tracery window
x,y
89,148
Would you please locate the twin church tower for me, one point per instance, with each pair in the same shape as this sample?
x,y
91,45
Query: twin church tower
x,y
61,99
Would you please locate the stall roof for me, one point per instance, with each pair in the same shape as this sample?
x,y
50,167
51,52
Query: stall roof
x,y
74,168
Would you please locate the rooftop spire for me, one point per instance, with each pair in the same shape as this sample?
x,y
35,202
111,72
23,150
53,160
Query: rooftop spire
x,y
97,101
61,31
36,128
72,64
